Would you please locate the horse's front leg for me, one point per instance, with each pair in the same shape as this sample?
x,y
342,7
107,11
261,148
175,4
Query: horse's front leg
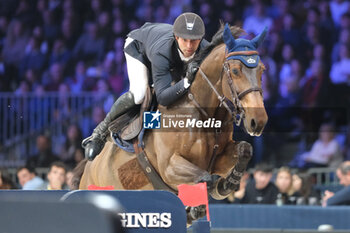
x,y
230,165
181,171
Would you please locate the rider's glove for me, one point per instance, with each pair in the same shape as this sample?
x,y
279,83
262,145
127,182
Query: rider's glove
x,y
192,69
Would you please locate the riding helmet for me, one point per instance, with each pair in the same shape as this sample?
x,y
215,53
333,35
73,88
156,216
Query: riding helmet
x,y
189,26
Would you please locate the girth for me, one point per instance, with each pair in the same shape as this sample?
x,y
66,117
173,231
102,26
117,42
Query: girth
x,y
150,171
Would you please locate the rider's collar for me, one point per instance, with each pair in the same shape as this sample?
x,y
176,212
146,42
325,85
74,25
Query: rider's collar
x,y
183,58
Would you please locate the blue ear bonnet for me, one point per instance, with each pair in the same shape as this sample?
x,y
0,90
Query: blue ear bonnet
x,y
250,61
236,45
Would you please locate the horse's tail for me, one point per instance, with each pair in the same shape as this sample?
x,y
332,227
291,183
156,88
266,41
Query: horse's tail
x,y
78,173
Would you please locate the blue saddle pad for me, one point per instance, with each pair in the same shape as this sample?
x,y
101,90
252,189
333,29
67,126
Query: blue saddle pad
x,y
128,145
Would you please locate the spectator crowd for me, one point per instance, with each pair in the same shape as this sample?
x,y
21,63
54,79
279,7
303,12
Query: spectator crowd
x,y
75,46
285,186
261,185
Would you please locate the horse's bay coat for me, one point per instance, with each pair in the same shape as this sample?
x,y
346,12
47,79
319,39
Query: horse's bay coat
x,y
184,155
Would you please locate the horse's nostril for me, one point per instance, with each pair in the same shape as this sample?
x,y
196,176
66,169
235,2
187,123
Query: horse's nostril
x,y
253,124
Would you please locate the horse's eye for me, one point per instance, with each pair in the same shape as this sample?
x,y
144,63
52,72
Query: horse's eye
x,y
235,71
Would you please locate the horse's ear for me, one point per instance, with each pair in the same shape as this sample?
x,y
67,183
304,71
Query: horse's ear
x,y
228,38
257,41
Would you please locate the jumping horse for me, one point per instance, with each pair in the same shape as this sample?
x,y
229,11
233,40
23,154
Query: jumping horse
x,y
226,87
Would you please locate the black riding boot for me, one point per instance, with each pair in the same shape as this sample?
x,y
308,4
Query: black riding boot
x,y
94,144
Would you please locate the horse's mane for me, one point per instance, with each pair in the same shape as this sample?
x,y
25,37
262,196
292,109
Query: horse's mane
x,y
216,40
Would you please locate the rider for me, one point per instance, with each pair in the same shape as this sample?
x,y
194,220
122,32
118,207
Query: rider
x,y
162,50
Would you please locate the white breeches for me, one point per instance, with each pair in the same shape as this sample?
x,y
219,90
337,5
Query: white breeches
x,y
138,75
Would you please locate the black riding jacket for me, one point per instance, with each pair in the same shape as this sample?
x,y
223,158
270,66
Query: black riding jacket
x,y
155,46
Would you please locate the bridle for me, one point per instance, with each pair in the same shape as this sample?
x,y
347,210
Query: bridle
x,y
237,112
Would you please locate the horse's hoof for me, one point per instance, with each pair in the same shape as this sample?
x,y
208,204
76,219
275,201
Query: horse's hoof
x,y
226,186
221,191
194,213
245,151
198,211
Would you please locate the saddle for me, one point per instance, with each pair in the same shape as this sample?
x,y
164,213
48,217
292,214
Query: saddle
x,y
127,132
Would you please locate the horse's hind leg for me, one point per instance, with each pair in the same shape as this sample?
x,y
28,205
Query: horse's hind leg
x,y
242,154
